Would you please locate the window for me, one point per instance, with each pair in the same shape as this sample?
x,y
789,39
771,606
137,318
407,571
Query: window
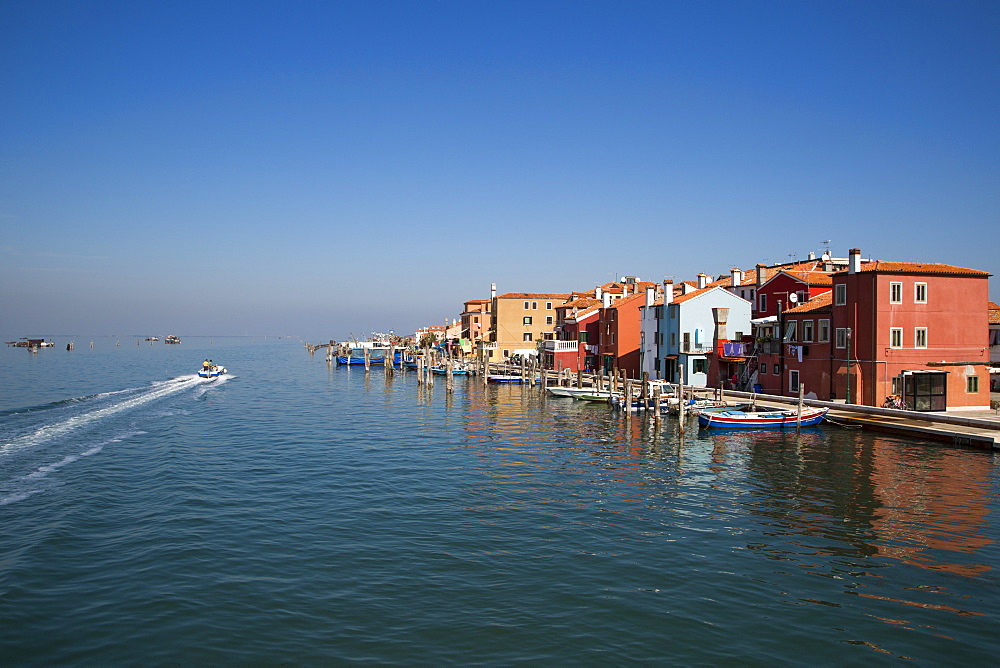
x,y
526,305
547,336
527,320
583,337
701,366
527,336
790,331
673,338
839,294
687,340
506,353
777,371
895,293
763,303
548,306
534,306
475,318
673,311
824,331
920,337
548,320
793,380
738,336
807,331
972,384
763,369
841,337
895,337
920,293
802,296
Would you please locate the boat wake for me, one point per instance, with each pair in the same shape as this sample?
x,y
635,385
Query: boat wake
x,y
38,441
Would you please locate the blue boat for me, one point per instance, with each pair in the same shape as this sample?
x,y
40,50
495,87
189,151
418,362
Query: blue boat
x,y
377,355
762,419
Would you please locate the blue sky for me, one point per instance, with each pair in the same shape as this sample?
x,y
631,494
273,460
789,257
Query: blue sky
x,y
320,168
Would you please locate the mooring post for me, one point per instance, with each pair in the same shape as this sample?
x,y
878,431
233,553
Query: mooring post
x,y
798,413
680,390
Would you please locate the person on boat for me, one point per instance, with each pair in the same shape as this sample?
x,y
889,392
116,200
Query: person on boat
x,y
205,365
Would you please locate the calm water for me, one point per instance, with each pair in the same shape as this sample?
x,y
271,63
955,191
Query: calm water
x,y
311,515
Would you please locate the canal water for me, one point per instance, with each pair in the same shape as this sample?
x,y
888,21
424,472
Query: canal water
x,y
297,513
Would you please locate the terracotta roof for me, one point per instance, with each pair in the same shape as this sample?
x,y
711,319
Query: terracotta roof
x,y
628,300
916,268
581,302
533,295
994,313
817,303
691,295
810,277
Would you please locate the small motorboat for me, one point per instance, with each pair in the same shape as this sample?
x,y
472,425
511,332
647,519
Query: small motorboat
x,y
211,371
762,418
457,370
559,391
508,380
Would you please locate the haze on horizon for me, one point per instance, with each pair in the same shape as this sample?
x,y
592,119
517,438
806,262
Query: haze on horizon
x,y
317,169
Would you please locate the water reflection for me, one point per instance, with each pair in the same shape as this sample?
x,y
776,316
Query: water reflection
x,y
869,536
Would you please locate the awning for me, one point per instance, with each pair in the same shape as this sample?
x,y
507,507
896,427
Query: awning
x,y
764,321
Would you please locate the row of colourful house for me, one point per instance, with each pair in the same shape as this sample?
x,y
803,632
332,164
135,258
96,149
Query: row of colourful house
x,y
850,329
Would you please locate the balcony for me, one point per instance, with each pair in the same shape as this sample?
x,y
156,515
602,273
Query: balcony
x,y
561,346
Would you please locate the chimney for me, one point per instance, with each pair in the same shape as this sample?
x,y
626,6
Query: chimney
x,y
812,255
702,281
668,291
597,293
854,261
650,294
606,299
493,290
735,277
760,274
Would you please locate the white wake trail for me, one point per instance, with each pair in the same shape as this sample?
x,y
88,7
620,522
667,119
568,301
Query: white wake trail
x,y
50,432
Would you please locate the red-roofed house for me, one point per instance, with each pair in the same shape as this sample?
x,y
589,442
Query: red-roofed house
x,y
917,329
577,326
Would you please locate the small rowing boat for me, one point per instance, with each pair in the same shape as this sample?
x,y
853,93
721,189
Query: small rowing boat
x,y
761,419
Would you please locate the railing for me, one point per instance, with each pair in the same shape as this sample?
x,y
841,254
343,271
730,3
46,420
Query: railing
x,y
561,346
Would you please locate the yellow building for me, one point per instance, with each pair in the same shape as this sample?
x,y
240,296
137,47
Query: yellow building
x,y
520,319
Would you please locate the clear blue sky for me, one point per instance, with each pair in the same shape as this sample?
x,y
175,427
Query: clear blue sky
x,y
319,168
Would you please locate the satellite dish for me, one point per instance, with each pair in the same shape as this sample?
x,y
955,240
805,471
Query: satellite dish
x,y
793,298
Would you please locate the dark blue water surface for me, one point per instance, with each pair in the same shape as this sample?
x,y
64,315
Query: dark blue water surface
x,y
294,512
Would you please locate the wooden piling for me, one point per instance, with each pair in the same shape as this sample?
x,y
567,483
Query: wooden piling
x,y
798,412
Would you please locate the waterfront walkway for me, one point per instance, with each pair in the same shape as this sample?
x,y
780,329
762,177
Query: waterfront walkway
x,y
976,428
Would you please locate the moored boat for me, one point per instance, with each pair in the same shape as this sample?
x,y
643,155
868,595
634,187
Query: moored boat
x,y
574,392
599,396
509,380
762,419
457,370
171,339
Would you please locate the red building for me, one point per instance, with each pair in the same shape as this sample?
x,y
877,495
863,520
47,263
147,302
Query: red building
x,y
920,330
577,329
621,334
784,290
